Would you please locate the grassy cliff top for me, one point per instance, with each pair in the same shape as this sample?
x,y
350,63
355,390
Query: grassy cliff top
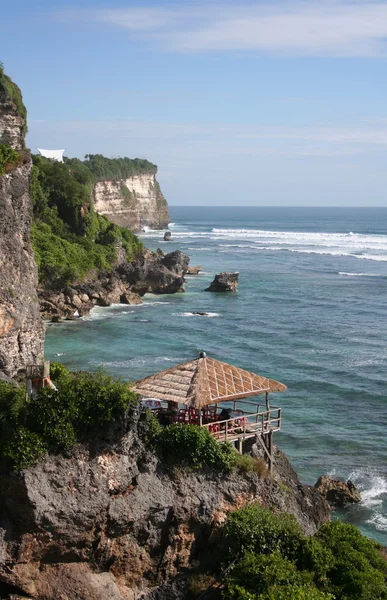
x,y
12,94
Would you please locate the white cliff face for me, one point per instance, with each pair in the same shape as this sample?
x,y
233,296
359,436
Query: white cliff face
x,y
133,203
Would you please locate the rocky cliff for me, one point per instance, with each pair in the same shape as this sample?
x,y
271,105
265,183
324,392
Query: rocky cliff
x,y
110,522
149,272
134,203
21,332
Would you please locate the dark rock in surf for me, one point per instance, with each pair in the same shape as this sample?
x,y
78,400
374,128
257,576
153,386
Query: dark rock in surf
x,y
167,236
194,270
337,493
224,282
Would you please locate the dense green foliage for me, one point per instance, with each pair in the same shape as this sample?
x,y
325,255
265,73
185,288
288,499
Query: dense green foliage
x,y
117,168
69,238
83,407
274,560
13,94
257,529
194,447
9,158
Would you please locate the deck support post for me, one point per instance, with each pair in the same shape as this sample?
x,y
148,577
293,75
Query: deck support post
x,y
270,450
240,445
266,442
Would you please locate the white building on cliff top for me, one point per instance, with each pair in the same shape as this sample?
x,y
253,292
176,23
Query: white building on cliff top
x,y
54,154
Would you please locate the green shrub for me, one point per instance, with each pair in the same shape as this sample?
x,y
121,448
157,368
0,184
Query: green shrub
x,y
194,447
256,529
152,430
13,94
359,570
24,448
9,159
83,407
258,574
249,464
117,168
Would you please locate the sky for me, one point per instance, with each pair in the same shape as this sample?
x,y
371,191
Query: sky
x,y
280,103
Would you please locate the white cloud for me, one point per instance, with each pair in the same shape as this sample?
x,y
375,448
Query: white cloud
x,y
327,28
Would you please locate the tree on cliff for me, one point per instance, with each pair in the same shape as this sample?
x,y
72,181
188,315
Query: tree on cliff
x,y
70,239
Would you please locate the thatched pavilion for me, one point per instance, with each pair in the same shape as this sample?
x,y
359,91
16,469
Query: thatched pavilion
x,y
194,390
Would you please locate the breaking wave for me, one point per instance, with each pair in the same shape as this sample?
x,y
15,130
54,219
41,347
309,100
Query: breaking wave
x,y
360,274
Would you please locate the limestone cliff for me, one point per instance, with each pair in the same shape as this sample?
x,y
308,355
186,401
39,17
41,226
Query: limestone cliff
x,y
21,331
110,522
134,203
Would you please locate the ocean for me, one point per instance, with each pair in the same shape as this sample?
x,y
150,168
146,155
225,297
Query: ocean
x,y
311,312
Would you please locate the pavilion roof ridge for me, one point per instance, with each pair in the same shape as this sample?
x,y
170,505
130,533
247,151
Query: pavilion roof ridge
x,y
206,381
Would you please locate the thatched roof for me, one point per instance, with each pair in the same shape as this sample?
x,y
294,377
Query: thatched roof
x,y
205,381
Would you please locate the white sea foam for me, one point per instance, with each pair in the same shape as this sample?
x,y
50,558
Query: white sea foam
x,y
361,274
371,485
138,361
371,247
379,521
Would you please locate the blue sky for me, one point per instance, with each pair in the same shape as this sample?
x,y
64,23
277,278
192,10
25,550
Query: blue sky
x,y
238,103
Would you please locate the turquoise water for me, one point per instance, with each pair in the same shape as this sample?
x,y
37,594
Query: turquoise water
x,y
311,312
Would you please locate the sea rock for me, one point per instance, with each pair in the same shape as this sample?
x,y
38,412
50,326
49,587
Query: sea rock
x,y
337,492
110,522
224,282
176,261
194,270
200,313
156,273
167,236
21,328
130,298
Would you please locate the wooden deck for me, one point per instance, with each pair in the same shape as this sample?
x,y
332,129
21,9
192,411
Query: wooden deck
x,y
247,425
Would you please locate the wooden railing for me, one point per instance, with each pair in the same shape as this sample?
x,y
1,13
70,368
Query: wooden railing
x,y
246,425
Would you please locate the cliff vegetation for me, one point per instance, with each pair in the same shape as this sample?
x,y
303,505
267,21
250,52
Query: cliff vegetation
x,y
12,94
70,239
158,512
53,421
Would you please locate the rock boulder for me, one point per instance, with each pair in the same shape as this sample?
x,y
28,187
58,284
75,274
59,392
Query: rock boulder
x,y
224,282
194,270
337,493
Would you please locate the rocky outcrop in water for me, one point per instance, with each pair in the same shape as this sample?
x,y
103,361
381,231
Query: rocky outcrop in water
x,y
157,273
337,493
194,270
108,521
167,236
21,330
153,272
224,282
135,202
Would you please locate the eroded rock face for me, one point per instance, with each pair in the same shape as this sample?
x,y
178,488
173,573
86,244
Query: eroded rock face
x,y
134,203
158,273
338,493
111,522
21,330
152,272
224,282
